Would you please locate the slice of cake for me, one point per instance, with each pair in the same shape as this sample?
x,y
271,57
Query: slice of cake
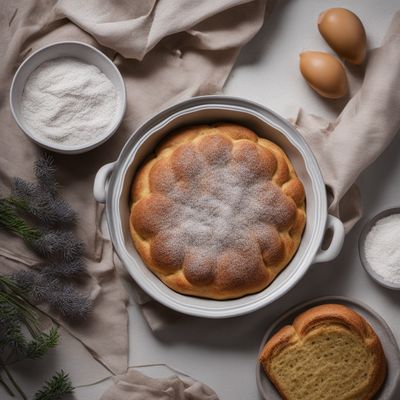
x,y
329,353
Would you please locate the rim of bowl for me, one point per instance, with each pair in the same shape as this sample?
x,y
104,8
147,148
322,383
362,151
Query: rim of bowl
x,y
68,149
361,248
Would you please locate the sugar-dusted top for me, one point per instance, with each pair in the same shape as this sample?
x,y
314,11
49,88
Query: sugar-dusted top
x,y
218,211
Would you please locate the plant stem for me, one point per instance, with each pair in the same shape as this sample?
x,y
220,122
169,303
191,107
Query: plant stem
x,y
11,378
12,221
8,389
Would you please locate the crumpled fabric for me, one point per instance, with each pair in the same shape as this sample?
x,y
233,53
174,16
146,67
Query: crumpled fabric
x,y
136,386
366,126
167,51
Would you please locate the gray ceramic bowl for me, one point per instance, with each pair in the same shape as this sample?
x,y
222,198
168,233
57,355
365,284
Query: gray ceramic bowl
x,y
390,389
361,248
85,53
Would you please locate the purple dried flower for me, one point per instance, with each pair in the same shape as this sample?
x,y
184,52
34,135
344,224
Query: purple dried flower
x,y
42,289
52,211
38,201
24,279
21,189
61,212
45,173
62,248
59,245
64,298
70,303
37,286
63,269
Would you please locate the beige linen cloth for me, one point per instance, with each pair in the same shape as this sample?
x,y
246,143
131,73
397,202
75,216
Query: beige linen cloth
x,y
366,126
136,386
167,51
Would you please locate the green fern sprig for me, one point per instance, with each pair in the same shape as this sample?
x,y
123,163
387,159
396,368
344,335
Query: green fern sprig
x,y
10,220
57,386
42,343
21,337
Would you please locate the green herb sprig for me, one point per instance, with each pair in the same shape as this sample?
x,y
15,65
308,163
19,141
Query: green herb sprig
x,y
11,221
57,386
21,338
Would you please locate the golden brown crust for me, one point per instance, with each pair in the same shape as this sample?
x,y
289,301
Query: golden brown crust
x,y
221,163
325,315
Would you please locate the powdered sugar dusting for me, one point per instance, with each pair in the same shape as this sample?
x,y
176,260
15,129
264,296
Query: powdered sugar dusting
x,y
220,207
382,248
69,101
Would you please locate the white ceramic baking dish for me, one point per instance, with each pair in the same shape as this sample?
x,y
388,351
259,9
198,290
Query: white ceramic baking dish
x,y
113,181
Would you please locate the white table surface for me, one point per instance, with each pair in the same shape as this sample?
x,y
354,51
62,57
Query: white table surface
x,y
223,353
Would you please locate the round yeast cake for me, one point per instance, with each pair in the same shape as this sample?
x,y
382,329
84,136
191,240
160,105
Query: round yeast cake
x,y
217,211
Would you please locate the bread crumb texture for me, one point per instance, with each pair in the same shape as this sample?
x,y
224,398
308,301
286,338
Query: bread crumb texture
x,y
330,353
329,364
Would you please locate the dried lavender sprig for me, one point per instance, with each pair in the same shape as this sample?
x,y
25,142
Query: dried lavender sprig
x,y
45,173
59,245
50,210
63,297
33,284
41,289
58,212
22,189
24,279
70,303
63,269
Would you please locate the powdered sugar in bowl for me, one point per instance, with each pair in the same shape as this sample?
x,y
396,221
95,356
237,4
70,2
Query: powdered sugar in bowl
x,y
68,97
379,250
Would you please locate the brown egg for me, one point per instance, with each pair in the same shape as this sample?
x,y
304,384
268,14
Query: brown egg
x,y
324,73
345,33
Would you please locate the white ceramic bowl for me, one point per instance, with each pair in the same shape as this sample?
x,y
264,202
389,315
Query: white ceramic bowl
x,y
361,248
87,54
113,182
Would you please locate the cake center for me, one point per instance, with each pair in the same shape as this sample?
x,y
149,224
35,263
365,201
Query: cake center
x,y
223,206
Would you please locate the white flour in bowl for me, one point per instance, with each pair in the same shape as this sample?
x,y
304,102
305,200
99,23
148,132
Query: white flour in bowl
x,y
382,248
69,102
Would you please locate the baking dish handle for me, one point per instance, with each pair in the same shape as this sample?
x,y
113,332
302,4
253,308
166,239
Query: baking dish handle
x,y
101,181
336,244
